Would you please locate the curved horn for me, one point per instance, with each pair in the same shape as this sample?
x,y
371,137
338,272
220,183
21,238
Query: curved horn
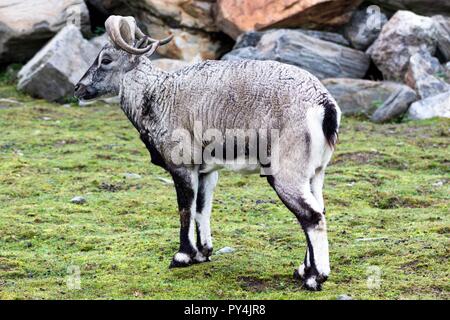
x,y
122,32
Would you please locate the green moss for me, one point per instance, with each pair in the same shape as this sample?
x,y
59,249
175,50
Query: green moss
x,y
386,194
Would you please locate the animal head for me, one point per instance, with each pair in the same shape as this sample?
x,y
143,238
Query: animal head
x,y
115,59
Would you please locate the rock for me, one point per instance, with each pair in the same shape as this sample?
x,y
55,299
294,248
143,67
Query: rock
x,y
225,250
365,26
237,16
447,72
344,297
365,97
248,39
252,38
188,45
423,75
327,36
442,25
423,7
402,36
395,106
191,22
53,72
435,106
191,14
99,42
322,58
169,65
26,25
132,176
78,200
165,180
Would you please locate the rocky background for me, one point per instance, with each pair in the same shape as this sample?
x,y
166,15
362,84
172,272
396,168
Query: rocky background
x,y
382,59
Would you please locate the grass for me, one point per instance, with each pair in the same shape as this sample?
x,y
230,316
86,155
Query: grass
x,y
387,196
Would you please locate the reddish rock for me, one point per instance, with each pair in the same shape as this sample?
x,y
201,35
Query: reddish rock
x,y
237,16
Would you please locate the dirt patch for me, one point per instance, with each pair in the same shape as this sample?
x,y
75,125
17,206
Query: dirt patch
x,y
110,187
357,157
382,200
278,282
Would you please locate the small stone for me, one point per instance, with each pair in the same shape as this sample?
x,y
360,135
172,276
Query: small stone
x,y
344,297
132,176
78,200
438,184
164,180
225,250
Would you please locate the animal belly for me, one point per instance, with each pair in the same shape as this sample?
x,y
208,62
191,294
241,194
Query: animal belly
x,y
244,166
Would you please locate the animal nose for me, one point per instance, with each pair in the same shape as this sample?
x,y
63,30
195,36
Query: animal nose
x,y
78,87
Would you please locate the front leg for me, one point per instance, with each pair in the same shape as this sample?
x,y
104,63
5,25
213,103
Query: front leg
x,y
207,183
186,185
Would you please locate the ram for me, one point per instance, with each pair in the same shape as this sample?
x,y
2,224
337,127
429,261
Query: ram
x,y
244,115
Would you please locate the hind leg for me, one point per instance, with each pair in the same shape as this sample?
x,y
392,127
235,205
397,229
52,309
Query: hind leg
x,y
295,192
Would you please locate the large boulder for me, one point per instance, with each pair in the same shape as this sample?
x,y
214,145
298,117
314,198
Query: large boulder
x,y
442,25
53,72
378,100
423,7
193,14
402,36
251,38
435,106
426,75
237,16
322,58
365,26
191,23
26,25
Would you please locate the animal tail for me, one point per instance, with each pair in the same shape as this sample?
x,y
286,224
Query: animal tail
x,y
331,120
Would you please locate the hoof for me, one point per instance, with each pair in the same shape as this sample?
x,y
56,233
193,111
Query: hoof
x,y
310,281
207,252
180,260
312,284
200,258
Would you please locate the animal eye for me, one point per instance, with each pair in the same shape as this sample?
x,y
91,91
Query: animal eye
x,y
106,61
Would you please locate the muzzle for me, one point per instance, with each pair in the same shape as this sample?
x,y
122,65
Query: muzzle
x,y
84,92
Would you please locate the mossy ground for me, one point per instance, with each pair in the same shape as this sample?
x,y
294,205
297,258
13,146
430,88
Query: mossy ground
x,y
386,182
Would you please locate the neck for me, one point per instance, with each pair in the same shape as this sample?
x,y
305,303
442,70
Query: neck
x,y
139,89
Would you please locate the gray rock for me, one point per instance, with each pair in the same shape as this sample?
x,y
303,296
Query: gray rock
x,y
54,70
447,72
252,38
78,200
99,42
26,25
379,100
395,106
435,106
322,58
402,36
365,26
424,7
226,250
248,39
344,297
425,75
170,65
442,25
